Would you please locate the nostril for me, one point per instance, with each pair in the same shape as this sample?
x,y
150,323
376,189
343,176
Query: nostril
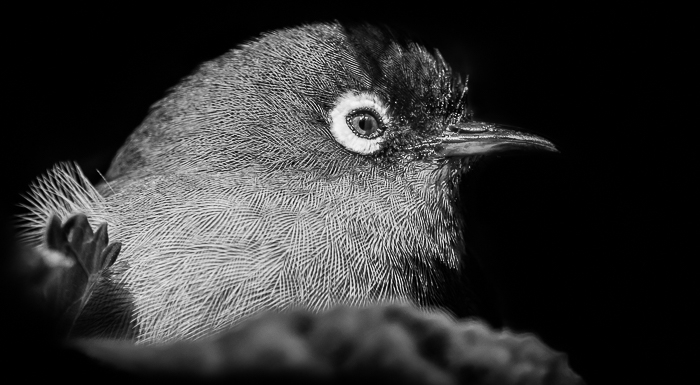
x,y
474,127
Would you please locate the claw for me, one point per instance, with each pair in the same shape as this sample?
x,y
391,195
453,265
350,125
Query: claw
x,y
55,238
110,254
68,287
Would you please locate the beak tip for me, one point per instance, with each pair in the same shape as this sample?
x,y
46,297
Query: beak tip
x,y
474,138
549,146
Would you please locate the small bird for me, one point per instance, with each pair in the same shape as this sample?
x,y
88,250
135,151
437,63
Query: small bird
x,y
309,167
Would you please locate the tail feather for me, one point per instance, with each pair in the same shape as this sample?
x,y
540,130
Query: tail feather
x,y
62,191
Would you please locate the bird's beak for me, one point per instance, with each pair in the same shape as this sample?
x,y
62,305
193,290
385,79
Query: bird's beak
x,y
479,138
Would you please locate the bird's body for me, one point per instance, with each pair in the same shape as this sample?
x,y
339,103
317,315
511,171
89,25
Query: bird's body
x,y
260,182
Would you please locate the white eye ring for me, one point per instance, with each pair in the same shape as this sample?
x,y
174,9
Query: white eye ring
x,y
350,103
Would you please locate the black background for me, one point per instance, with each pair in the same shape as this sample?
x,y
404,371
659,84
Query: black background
x,y
575,243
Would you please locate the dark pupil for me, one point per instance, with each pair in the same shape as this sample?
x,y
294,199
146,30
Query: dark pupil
x,y
365,124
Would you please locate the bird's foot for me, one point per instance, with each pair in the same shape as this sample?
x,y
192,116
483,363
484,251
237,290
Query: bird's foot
x,y
71,263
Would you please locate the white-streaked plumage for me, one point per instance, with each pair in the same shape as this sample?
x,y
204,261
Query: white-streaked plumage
x,y
241,191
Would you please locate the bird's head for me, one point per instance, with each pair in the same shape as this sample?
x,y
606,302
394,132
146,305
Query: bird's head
x,y
344,145
320,98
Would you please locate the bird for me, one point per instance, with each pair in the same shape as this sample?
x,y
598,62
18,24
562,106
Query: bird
x,y
311,166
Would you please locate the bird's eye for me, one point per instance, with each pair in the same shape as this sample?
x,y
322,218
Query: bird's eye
x,y
364,123
357,122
